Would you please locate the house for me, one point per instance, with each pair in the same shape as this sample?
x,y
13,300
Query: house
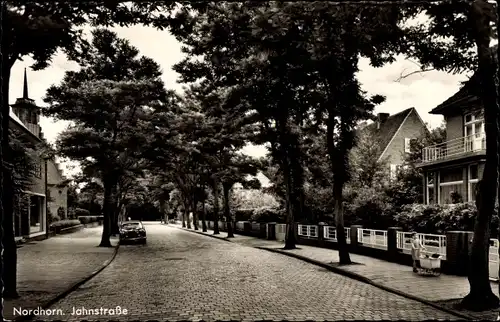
x,y
57,190
394,134
452,169
31,218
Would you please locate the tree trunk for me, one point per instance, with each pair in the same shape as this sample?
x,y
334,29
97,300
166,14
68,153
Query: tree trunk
x,y
184,218
337,164
114,219
9,273
481,297
215,187
186,213
107,211
195,214
344,258
227,212
204,217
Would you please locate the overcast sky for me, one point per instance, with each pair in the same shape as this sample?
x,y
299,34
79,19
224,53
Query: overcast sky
x,y
422,91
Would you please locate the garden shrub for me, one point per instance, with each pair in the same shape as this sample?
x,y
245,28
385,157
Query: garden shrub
x,y
437,219
243,214
81,212
87,219
369,208
61,224
268,214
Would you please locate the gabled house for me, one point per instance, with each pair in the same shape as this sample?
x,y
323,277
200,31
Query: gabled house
x,y
452,169
57,190
30,220
394,133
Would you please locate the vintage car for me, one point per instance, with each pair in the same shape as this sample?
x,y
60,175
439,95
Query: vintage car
x,y
132,231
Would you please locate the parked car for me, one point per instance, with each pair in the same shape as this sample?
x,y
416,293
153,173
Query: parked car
x,y
132,231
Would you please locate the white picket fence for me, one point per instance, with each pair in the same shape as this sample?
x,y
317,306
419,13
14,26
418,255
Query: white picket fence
x,y
240,226
330,233
435,244
308,231
372,238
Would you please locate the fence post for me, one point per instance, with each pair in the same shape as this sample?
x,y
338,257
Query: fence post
x,y
392,243
354,236
458,247
263,231
271,231
321,236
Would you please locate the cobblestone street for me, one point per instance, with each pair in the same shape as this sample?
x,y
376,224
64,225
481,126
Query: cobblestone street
x,y
179,275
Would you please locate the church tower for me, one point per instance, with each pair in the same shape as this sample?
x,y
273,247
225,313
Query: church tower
x,y
27,111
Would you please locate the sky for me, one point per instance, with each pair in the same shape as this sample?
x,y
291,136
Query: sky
x,y
423,91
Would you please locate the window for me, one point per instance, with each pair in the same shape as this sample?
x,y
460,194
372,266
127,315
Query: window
x,y
408,145
36,214
451,186
37,169
394,171
474,130
473,181
430,188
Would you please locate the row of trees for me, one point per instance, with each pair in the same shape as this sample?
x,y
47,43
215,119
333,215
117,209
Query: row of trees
x,y
292,66
283,74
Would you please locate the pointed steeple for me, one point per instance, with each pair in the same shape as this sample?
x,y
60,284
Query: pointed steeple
x,y
25,87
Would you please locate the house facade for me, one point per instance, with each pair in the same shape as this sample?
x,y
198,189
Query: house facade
x,y
394,134
453,168
57,190
30,218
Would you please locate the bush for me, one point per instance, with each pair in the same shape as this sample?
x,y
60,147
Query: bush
x,y
87,219
438,219
267,214
81,212
369,208
61,224
243,214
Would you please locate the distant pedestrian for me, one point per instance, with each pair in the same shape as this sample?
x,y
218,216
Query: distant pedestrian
x,y
129,219
416,248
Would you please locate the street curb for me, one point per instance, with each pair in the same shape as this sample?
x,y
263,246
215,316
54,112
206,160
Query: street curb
x,y
366,280
65,293
202,233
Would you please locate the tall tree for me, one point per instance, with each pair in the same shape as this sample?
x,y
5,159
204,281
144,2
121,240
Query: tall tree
x,y
40,29
456,38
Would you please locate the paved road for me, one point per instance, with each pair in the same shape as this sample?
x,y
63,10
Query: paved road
x,y
179,275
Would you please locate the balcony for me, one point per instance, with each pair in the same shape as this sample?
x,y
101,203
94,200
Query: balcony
x,y
455,149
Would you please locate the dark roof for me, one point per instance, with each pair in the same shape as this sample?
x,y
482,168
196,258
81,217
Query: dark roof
x,y
388,129
469,93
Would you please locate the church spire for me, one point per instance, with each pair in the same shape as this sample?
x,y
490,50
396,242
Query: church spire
x,y
25,88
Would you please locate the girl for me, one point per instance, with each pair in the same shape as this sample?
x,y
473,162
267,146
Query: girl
x,y
416,247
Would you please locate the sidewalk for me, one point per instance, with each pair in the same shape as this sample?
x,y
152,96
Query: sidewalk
x,y
50,267
443,290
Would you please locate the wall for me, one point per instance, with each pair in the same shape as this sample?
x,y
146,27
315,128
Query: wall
x,y
411,128
454,126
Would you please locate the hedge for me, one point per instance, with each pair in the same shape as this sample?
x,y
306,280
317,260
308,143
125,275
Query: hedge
x,y
88,219
441,218
65,223
81,212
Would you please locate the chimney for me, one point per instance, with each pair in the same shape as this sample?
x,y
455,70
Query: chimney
x,y
381,118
